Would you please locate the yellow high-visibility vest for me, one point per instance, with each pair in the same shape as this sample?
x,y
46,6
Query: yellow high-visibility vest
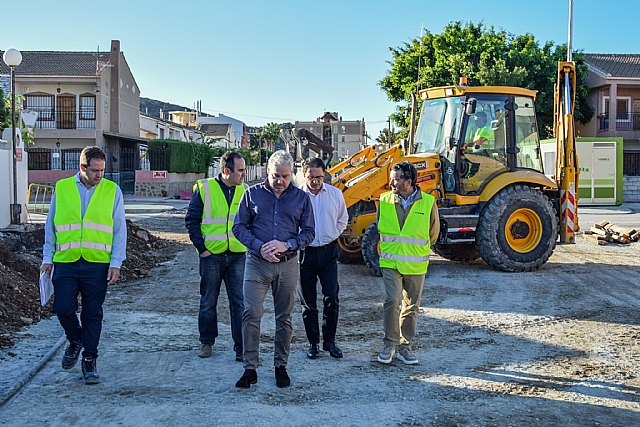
x,y
407,249
90,237
218,217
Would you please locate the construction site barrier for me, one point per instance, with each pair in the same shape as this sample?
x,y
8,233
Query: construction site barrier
x,y
39,197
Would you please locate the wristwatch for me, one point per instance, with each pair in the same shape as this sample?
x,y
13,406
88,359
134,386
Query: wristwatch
x,y
287,245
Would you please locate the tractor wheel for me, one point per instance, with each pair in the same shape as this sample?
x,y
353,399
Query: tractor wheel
x,y
517,230
350,252
460,252
371,249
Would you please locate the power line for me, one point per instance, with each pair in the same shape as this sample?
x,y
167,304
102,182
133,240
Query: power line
x,y
213,111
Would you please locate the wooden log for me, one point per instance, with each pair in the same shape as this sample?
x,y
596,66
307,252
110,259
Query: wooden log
x,y
598,231
601,224
595,240
620,239
622,231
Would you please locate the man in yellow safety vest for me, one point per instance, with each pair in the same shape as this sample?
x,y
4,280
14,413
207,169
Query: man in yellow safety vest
x,y
408,223
85,245
209,220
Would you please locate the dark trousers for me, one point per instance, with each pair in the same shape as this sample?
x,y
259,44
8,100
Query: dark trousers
x,y
89,280
213,269
320,263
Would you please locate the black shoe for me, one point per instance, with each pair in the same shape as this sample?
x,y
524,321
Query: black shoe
x,y
282,378
90,371
314,351
249,377
333,349
71,354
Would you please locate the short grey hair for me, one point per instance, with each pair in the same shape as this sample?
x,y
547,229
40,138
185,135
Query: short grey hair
x,y
278,158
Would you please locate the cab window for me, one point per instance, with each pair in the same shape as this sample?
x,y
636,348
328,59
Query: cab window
x,y
528,153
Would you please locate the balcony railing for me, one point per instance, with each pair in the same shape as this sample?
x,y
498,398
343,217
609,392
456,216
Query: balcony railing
x,y
65,119
624,121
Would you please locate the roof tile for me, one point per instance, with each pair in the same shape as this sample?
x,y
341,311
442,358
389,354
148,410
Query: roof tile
x,y
614,64
48,63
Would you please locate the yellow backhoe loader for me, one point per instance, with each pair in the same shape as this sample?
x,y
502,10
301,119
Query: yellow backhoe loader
x,y
477,151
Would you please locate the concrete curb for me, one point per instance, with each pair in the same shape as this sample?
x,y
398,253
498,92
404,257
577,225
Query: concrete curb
x,y
32,372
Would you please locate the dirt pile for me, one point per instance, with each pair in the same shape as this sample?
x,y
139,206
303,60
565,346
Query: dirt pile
x,y
19,294
20,258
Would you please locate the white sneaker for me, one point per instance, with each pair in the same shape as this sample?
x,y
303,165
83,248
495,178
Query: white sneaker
x,y
406,356
386,354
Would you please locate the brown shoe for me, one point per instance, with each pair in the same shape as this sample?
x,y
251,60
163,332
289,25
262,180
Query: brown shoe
x,y
206,349
248,377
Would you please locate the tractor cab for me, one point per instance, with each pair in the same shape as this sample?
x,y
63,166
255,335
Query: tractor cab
x,y
479,132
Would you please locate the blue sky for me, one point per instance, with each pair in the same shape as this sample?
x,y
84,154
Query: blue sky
x,y
286,60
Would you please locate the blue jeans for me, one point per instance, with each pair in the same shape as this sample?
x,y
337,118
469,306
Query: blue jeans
x,y
213,269
89,280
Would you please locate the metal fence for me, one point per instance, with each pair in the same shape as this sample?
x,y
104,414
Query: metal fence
x,y
63,111
54,158
121,167
55,119
624,121
631,164
122,163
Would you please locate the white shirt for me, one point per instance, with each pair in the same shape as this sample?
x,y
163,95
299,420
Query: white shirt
x,y
330,212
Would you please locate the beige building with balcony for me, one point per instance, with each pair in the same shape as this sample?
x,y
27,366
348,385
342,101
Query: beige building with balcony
x,y
82,98
614,82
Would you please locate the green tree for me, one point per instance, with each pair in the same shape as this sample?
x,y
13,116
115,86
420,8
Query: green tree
x,y
254,141
387,137
270,133
5,112
486,57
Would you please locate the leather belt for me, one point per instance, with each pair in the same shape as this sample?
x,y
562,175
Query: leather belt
x,y
288,256
329,245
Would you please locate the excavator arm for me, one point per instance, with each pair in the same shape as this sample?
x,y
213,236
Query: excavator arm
x,y
314,143
567,171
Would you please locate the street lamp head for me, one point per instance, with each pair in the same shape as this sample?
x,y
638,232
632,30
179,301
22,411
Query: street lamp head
x,y
12,57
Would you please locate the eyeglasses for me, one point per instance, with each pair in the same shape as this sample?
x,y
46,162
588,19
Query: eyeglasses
x,y
315,178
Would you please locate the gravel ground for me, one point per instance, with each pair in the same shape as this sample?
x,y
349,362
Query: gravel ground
x,y
552,347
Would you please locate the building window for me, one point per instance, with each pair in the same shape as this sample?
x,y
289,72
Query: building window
x,y
87,107
342,138
344,130
623,104
43,105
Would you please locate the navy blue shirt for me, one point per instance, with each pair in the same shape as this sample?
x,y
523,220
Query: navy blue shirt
x,y
263,217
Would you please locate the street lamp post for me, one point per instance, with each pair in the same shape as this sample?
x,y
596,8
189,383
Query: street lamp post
x,y
13,58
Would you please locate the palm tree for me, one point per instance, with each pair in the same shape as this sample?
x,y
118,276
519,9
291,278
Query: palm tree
x,y
270,133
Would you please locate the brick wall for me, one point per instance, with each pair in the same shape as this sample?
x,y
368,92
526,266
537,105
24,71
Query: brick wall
x,y
631,188
170,186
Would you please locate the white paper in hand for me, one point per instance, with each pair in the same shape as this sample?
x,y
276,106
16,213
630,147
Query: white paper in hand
x,y
46,287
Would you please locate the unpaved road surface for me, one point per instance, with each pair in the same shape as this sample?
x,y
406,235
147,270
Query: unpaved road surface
x,y
560,346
